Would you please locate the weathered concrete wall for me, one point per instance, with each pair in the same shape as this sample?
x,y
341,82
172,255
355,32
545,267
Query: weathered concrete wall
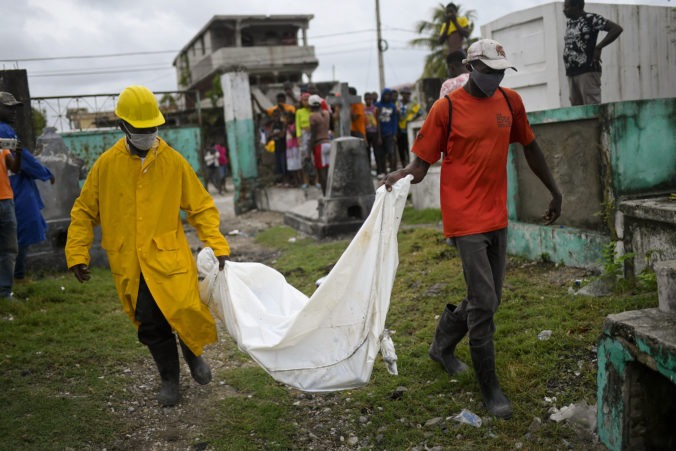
x,y
89,145
648,229
636,368
239,125
571,151
639,65
642,145
599,154
426,193
16,83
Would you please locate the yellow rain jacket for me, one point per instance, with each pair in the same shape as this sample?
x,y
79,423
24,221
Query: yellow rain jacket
x,y
137,204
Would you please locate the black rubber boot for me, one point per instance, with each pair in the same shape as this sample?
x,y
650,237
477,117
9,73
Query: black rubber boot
x,y
199,369
448,334
166,358
483,358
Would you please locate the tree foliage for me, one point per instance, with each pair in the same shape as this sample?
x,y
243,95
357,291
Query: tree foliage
x,y
435,61
39,121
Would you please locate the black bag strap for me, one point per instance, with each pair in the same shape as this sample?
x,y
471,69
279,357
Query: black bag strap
x,y
448,127
507,99
450,114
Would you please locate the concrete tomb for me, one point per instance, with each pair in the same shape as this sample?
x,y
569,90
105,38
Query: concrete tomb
x,y
58,199
349,193
636,380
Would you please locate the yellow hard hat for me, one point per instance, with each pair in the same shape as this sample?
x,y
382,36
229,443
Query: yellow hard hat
x,y
138,106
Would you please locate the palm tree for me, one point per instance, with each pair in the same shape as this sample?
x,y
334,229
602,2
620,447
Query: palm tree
x,y
435,62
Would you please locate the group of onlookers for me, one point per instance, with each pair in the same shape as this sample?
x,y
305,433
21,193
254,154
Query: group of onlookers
x,y
21,223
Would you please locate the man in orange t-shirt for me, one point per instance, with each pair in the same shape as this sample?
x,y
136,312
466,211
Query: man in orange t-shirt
x,y
485,119
358,124
9,246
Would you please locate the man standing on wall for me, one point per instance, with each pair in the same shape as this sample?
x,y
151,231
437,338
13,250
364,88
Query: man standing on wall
x,y
455,29
136,191
581,53
471,130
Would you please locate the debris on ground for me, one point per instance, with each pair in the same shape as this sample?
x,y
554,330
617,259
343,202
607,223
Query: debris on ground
x,y
468,417
545,335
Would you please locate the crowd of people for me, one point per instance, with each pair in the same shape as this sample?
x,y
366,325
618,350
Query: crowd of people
x,y
21,223
300,134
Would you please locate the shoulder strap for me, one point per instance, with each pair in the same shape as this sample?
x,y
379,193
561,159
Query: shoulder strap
x,y
448,127
507,99
450,115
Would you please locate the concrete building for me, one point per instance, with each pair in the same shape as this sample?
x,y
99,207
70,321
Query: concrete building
x,y
640,64
267,47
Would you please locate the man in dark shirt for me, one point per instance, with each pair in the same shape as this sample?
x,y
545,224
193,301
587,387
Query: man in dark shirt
x,y
581,53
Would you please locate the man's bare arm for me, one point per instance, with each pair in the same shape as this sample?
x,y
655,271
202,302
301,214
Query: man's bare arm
x,y
536,162
613,31
464,31
417,168
14,162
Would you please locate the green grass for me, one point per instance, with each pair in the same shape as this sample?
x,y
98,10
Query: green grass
x,y
63,349
59,343
426,216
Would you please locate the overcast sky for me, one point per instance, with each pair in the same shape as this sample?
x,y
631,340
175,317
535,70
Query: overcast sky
x,y
56,28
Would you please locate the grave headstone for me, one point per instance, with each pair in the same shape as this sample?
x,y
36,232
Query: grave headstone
x,y
349,193
344,100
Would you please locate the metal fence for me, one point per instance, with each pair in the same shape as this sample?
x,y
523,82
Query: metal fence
x,y
97,111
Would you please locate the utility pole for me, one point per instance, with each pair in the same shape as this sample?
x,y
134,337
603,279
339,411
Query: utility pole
x,y
381,50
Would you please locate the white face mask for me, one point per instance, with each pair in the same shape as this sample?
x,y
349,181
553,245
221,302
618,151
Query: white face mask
x,y
142,141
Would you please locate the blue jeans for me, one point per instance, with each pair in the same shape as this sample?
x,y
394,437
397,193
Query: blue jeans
x,y
9,246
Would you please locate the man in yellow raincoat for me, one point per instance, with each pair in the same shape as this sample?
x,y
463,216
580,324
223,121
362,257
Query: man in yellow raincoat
x,y
135,191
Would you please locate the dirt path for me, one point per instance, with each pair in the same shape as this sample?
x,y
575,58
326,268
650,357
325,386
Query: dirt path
x,y
156,428
151,427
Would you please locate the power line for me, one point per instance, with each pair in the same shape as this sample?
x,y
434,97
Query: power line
x,y
68,74
107,55
154,52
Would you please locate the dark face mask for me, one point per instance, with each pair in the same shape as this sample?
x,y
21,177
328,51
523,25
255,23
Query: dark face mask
x,y
487,83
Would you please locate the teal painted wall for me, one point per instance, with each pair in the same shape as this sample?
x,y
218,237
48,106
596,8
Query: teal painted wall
x,y
241,137
642,145
641,139
89,145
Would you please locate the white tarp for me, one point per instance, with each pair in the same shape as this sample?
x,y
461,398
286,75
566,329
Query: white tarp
x,y
330,340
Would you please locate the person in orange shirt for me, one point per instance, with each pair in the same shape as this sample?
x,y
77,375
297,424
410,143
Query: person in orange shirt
x,y
282,106
9,246
358,124
471,129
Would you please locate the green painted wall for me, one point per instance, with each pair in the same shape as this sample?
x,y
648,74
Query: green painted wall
x,y
89,145
642,145
641,139
241,137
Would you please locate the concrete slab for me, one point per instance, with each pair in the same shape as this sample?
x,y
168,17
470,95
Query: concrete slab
x,y
659,209
283,199
305,218
649,231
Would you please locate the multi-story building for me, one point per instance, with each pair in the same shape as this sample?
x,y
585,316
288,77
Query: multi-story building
x,y
268,47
